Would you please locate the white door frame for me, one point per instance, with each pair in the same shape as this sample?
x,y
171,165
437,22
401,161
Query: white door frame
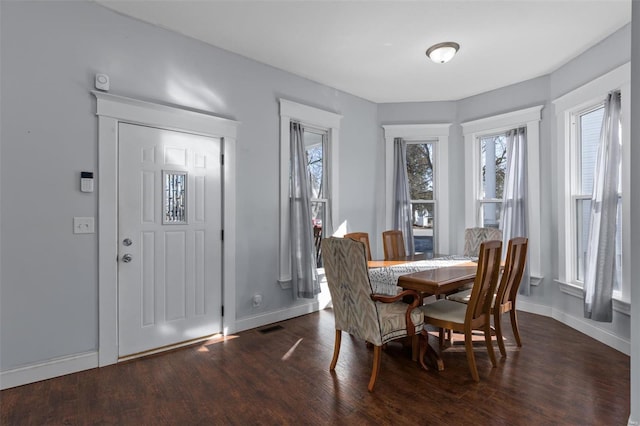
x,y
111,110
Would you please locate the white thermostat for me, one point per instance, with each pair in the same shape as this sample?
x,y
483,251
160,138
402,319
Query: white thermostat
x,y
86,181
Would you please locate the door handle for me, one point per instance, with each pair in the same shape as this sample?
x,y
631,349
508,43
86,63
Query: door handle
x,y
126,258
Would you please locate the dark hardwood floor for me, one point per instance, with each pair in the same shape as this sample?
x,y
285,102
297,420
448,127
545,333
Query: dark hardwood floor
x,y
559,377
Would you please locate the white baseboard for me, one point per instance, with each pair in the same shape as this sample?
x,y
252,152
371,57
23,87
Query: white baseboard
x,y
579,324
48,370
277,316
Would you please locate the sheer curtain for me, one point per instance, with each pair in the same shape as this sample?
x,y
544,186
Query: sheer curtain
x,y
514,205
304,276
600,264
402,216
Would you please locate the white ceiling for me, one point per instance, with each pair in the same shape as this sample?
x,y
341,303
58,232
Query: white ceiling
x,y
376,49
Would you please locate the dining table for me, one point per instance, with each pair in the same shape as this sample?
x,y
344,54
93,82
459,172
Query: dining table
x,y
438,276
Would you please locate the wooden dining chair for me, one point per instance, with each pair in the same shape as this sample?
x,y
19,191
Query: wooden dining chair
x,y
393,244
507,291
363,237
476,315
375,318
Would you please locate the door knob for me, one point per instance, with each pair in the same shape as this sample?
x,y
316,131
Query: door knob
x,y
126,258
127,242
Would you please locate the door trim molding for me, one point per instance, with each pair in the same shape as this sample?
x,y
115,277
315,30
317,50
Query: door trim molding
x,y
111,110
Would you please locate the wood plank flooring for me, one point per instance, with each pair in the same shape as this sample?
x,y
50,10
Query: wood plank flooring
x,y
559,377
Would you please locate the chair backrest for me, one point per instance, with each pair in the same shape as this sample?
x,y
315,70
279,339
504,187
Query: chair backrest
x,y
363,237
513,271
345,265
393,244
484,286
473,237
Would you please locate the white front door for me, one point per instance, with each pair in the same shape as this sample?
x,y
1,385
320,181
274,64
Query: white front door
x,y
169,238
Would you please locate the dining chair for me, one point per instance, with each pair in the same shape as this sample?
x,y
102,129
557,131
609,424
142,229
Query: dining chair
x,y
473,237
362,237
376,319
505,296
393,244
475,315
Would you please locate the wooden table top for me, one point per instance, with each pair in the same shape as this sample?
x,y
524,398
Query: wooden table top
x,y
439,280
435,281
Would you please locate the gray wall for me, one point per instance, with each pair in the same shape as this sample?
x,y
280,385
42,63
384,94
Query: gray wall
x,y
50,54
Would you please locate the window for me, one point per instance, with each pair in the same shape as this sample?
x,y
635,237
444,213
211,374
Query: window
x,y
493,165
579,121
420,160
427,162
585,128
320,133
315,142
485,167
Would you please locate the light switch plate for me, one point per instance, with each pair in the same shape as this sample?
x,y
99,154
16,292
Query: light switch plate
x,y
83,225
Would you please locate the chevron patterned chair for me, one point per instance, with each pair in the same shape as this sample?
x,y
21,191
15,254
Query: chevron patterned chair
x,y
473,237
376,319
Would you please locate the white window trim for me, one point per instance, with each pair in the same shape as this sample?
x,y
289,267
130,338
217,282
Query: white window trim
x,y
111,110
319,119
439,134
473,130
565,106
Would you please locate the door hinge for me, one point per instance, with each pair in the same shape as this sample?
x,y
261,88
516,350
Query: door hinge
x,y
222,159
222,310
222,234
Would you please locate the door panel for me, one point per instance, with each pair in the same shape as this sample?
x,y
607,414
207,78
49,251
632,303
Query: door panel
x,y
169,207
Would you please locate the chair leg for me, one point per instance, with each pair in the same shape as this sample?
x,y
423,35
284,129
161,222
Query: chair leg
x,y
377,352
514,326
414,347
497,323
336,350
487,339
426,349
468,344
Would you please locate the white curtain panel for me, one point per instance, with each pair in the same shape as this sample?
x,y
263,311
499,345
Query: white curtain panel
x,y
514,205
304,276
402,215
600,264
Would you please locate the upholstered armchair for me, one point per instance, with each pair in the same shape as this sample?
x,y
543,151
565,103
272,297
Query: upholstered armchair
x,y
376,319
473,237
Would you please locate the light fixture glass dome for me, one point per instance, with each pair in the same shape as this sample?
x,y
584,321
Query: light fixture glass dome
x,y
443,52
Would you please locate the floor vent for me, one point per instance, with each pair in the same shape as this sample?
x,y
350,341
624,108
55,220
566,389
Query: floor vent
x,y
270,329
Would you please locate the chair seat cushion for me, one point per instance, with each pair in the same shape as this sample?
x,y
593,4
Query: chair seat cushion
x,y
461,296
445,310
392,320
464,296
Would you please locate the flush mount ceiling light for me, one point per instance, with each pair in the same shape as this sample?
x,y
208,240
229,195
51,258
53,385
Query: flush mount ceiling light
x,y
442,52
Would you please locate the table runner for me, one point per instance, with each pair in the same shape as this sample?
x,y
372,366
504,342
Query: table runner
x,y
384,280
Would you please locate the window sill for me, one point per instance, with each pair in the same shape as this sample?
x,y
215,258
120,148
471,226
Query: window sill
x,y
622,306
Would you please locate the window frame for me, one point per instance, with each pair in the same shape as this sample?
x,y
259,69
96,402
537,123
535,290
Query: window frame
x,y
473,131
567,107
320,120
438,134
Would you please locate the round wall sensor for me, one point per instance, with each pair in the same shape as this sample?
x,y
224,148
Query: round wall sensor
x,y
102,82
